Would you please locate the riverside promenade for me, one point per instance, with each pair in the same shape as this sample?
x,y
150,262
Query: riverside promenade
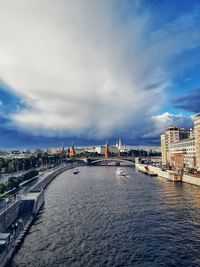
x,y
23,212
169,175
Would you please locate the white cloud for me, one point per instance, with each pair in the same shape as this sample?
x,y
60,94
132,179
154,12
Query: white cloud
x,y
82,70
165,120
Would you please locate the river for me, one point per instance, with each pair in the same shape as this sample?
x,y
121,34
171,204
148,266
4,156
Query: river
x,y
96,219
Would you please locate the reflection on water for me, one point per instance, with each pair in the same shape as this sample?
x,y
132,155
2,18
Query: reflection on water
x,y
98,219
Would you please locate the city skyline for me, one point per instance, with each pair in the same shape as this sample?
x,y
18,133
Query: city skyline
x,y
96,70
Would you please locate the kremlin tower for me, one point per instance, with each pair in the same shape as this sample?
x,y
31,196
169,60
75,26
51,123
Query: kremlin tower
x,y
72,153
107,152
63,152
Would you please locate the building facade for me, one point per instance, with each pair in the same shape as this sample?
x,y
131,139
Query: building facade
x,y
120,147
101,150
183,154
197,139
172,135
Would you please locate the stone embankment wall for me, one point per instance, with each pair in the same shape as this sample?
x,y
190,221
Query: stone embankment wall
x,y
32,204
159,172
141,168
38,203
170,175
9,215
144,168
43,183
184,178
191,179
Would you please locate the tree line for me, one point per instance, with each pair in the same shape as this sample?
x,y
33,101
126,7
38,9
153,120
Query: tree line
x,y
14,182
10,165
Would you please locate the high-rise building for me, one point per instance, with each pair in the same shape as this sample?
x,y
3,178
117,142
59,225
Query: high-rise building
x,y
197,139
191,133
171,136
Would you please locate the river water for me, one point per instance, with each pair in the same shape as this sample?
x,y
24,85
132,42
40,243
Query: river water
x,y
96,219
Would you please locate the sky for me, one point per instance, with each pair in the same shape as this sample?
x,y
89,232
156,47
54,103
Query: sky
x,y
96,70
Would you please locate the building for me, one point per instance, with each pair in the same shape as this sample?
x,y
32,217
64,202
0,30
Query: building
x,y
164,148
3,153
197,139
79,151
183,154
191,133
107,152
120,147
72,152
172,135
101,150
90,149
51,151
63,151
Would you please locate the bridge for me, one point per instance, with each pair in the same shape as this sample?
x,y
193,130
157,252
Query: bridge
x,y
96,161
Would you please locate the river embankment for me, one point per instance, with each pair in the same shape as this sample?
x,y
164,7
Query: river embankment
x,y
169,175
23,211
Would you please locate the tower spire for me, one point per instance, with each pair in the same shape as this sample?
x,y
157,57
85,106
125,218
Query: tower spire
x,y
107,151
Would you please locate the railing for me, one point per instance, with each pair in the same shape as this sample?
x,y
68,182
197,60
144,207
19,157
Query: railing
x,y
9,249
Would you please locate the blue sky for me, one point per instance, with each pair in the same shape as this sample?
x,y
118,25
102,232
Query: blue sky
x,y
88,71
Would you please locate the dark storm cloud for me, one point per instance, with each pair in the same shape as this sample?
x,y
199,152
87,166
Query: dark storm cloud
x,y
190,102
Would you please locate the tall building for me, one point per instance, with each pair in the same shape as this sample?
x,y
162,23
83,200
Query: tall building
x,y
172,135
164,147
191,133
197,139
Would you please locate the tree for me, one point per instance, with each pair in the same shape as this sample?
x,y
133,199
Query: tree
x,y
2,188
13,182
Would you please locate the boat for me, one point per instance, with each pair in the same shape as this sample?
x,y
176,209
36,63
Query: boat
x,y
76,171
121,172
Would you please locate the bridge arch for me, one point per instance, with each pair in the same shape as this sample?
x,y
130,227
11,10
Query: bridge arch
x,y
114,160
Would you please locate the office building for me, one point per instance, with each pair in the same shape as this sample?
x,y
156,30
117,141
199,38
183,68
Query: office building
x,y
172,135
197,139
183,154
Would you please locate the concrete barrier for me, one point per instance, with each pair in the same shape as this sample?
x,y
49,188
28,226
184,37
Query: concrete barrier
x,y
152,170
9,215
191,179
44,182
28,203
32,202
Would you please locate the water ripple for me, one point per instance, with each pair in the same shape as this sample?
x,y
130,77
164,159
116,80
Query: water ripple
x,y
96,219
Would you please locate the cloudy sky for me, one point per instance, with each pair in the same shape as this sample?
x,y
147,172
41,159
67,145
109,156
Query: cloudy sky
x,y
94,70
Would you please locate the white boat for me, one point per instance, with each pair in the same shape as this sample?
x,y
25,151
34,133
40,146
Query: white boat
x,y
76,171
121,172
